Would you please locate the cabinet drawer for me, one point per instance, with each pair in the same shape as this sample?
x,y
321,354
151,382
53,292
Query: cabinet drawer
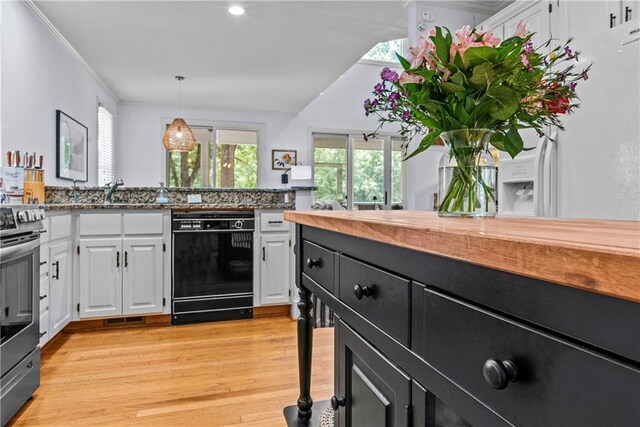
x,y
143,223
379,296
59,227
108,224
556,382
318,264
273,221
44,237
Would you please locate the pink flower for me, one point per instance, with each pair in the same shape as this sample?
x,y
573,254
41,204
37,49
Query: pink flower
x,y
489,39
521,30
418,55
410,78
525,60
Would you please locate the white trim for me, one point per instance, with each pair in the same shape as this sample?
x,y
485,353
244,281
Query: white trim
x,y
65,43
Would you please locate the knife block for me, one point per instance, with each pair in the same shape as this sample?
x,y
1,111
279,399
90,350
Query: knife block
x,y
33,186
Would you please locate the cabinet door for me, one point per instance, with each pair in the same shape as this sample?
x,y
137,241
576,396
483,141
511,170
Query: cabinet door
x,y
582,20
142,279
274,269
371,390
537,18
629,10
60,298
100,277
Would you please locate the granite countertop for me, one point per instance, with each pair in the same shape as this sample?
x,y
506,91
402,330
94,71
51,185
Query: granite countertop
x,y
593,255
172,206
194,190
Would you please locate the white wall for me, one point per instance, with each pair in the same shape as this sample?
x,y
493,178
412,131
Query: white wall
x,y
422,170
40,76
140,127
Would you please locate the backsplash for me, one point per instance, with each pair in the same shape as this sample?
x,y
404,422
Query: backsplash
x,y
177,196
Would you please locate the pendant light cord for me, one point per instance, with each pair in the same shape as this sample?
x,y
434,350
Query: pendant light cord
x,y
180,98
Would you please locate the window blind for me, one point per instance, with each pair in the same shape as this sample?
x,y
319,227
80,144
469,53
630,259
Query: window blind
x,y
106,146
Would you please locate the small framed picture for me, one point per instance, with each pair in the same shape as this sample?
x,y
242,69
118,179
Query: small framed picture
x,y
72,144
283,159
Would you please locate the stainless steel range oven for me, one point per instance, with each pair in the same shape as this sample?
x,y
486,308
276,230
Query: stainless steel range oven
x,y
212,266
19,306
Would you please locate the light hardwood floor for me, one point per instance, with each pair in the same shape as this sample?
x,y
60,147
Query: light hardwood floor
x,y
215,374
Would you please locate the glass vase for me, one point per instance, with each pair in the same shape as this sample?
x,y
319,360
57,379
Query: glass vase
x,y
467,175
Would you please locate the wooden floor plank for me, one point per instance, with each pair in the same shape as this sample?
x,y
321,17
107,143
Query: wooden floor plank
x,y
240,373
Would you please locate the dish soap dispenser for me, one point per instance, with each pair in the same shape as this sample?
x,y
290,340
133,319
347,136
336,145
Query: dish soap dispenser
x,y
162,194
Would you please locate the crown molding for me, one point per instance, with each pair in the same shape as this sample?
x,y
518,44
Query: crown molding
x,y
475,6
65,43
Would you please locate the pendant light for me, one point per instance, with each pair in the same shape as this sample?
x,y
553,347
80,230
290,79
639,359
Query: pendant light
x,y
178,138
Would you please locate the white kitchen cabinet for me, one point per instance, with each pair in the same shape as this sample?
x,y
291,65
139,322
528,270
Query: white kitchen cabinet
x,y
121,262
101,277
535,14
274,268
60,298
142,276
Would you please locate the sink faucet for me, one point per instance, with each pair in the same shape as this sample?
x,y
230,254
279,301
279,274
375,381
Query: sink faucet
x,y
111,188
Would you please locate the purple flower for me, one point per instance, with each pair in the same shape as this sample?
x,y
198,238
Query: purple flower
x,y
388,75
572,86
375,102
585,76
406,115
393,105
394,96
568,51
365,137
378,88
528,47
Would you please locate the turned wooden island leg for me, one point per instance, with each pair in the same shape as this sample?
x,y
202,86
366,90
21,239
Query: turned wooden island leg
x,y
305,347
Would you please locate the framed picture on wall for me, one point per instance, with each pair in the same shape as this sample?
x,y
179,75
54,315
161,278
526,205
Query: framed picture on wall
x,y
72,145
283,159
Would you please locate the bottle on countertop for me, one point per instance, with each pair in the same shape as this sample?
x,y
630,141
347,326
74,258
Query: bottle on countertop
x,y
162,194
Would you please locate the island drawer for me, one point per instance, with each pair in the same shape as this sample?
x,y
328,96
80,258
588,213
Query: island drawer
x,y
478,350
381,297
318,263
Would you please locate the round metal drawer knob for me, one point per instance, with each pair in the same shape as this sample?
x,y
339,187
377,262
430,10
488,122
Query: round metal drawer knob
x,y
498,374
313,262
361,291
337,402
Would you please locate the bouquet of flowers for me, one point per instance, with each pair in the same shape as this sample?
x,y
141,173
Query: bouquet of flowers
x,y
475,81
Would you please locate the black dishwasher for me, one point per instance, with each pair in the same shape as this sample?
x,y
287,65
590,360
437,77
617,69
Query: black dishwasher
x,y
212,266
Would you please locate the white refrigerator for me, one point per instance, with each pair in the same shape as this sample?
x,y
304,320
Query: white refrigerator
x,y
594,169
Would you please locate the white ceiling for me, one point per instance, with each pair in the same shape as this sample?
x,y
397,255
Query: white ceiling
x,y
277,57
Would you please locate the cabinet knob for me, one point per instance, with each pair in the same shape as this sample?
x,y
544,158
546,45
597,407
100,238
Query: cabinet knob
x,y
313,262
337,402
499,374
362,291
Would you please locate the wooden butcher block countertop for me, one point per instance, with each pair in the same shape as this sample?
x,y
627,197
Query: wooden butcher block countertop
x,y
594,255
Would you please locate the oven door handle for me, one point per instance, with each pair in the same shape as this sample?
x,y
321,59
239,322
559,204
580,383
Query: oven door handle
x,y
17,251
231,230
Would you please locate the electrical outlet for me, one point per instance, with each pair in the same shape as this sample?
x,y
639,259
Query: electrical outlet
x,y
428,16
194,198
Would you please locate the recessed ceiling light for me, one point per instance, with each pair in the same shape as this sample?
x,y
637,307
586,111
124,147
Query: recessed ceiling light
x,y
236,10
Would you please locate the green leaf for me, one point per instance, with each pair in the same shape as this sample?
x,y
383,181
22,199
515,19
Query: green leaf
x,y
405,64
426,120
459,78
497,140
426,142
477,55
412,88
457,61
451,87
441,46
507,102
482,75
427,74
513,143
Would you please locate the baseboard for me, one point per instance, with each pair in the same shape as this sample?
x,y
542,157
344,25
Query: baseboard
x,y
272,310
98,324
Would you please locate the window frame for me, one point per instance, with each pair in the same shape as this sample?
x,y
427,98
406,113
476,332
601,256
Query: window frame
x,y
204,157
114,148
387,149
404,47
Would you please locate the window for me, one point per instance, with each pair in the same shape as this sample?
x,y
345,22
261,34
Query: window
x,y
223,158
358,174
386,51
106,146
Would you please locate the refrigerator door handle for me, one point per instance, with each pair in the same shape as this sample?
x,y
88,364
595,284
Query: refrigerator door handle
x,y
538,185
548,184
